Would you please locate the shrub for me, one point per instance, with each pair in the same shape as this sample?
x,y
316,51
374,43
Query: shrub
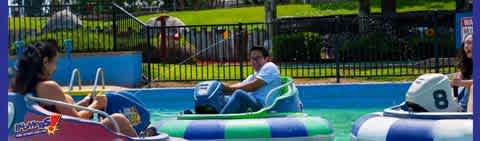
x,y
304,47
373,46
83,41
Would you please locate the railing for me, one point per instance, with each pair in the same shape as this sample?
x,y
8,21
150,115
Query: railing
x,y
336,47
221,51
130,33
318,47
75,74
214,48
89,26
98,75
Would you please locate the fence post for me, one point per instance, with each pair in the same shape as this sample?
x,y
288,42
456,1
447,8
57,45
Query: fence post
x,y
337,51
435,43
114,26
19,48
68,44
149,57
241,46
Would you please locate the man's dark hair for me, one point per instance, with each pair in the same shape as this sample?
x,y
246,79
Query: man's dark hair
x,y
263,50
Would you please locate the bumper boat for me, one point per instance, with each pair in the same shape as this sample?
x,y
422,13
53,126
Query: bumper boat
x,y
27,120
404,123
281,119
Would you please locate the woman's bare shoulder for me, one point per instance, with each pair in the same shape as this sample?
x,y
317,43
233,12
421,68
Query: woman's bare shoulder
x,y
48,83
49,89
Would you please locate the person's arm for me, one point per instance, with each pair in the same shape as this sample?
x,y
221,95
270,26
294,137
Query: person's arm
x,y
459,81
462,83
470,100
51,90
247,86
85,101
468,83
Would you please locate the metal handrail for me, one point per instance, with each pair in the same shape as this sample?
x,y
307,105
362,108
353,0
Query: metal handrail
x,y
75,72
48,101
97,75
129,14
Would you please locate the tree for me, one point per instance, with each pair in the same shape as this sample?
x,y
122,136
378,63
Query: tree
x,y
363,13
33,7
463,5
364,7
389,8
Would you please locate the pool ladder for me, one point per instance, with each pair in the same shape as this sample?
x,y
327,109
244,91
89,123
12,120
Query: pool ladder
x,y
95,83
76,73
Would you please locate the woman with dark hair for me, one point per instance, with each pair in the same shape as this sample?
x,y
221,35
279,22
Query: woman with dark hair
x,y
34,69
465,65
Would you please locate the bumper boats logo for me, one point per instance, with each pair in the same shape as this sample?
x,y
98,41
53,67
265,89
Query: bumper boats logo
x,y
132,115
48,125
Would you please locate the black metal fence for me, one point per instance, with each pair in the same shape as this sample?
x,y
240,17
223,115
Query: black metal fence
x,y
90,26
308,48
326,47
203,52
405,45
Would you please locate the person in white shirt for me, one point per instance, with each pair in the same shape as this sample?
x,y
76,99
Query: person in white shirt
x,y
249,95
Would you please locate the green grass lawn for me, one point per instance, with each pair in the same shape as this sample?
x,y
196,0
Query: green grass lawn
x,y
232,72
256,14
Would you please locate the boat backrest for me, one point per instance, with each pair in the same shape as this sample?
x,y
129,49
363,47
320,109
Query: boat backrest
x,y
286,99
16,108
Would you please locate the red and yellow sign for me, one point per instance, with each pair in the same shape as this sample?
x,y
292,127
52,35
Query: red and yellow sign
x,y
54,119
47,125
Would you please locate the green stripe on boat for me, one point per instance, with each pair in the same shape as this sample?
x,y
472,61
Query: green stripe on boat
x,y
246,128
176,128
316,126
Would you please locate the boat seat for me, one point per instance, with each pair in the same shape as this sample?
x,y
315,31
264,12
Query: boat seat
x,y
284,98
16,108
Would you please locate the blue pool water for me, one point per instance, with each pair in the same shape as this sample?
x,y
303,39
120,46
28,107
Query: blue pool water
x,y
341,104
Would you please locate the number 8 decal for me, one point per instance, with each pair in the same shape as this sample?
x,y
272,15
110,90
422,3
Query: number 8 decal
x,y
440,97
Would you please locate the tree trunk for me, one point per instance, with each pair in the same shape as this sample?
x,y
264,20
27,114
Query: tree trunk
x,y
464,5
389,8
363,13
364,7
34,7
181,4
196,4
270,17
460,5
